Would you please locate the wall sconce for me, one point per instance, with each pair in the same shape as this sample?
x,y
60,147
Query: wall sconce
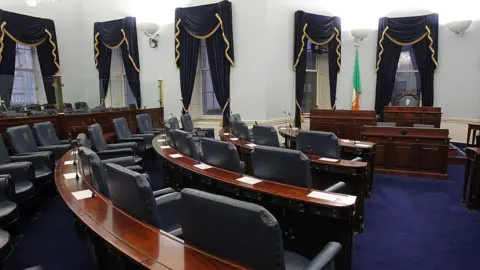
x,y
359,34
459,27
151,30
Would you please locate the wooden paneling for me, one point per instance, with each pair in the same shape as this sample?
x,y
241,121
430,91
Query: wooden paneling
x,y
407,116
345,124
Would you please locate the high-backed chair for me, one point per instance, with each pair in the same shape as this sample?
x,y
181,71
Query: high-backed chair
x,y
68,108
25,149
82,140
123,134
286,166
81,105
9,211
173,122
243,232
263,135
240,130
187,125
12,114
114,150
131,192
34,107
222,155
235,117
386,124
16,107
170,135
6,245
144,124
423,126
46,136
185,144
38,113
22,174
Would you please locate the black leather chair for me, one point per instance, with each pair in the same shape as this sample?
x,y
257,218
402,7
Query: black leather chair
x,y
46,136
286,166
12,114
81,105
99,109
106,151
187,126
235,117
144,124
131,192
22,174
173,122
9,211
243,232
186,145
320,143
16,108
268,136
169,133
123,134
82,140
423,126
222,155
386,124
241,131
34,107
26,149
6,246
38,113
68,108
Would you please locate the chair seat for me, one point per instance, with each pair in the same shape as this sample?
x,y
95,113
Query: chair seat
x,y
8,213
138,159
43,175
172,228
293,261
24,191
6,245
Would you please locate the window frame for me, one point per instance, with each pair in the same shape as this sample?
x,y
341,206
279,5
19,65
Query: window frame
x,y
417,92
31,70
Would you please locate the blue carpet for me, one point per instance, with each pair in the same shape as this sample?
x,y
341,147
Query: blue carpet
x,y
410,224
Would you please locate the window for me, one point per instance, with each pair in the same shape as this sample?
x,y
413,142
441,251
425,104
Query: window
x,y
119,93
316,92
310,91
24,86
210,104
407,79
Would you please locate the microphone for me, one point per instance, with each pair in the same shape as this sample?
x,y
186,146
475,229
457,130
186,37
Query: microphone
x,y
256,124
290,120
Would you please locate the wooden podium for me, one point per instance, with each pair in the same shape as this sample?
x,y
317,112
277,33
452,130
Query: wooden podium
x,y
346,124
407,116
410,151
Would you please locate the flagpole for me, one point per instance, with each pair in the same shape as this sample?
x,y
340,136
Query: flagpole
x,y
359,35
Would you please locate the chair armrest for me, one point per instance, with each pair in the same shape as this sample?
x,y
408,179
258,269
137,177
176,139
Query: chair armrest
x,y
135,168
7,187
357,159
337,188
122,161
67,141
168,208
114,146
325,257
19,170
57,150
177,233
162,192
147,137
139,142
116,153
38,159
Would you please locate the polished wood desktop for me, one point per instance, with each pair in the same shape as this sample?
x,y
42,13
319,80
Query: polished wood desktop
x,y
346,124
472,132
407,116
310,222
471,181
120,241
421,152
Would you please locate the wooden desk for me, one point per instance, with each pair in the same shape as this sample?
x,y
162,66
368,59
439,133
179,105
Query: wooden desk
x,y
120,241
472,133
307,223
345,124
472,179
407,116
408,151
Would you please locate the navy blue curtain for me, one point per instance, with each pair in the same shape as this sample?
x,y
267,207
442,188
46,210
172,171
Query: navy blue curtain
x,y
33,32
112,34
421,32
320,30
214,23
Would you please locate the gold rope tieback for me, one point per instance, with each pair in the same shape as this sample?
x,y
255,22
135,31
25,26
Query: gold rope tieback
x,y
381,48
128,50
2,27
223,111
177,41
97,52
301,49
431,46
50,39
338,47
226,40
301,111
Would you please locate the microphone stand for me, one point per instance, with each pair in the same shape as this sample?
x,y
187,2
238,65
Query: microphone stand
x,y
285,113
290,120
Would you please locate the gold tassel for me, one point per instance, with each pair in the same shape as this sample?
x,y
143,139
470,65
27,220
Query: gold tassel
x,y
223,112
2,29
301,111
97,52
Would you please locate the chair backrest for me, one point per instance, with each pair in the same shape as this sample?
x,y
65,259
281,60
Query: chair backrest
x,y
96,137
7,189
187,123
49,106
240,130
144,123
38,113
423,126
408,100
99,109
184,144
235,230
264,135
94,170
46,133
131,192
221,154
82,140
12,114
170,136
4,155
122,131
173,122
386,124
235,117
81,105
16,107
34,107
290,167
318,143
67,105
22,140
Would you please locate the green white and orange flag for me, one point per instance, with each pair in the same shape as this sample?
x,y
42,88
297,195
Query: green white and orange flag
x,y
357,85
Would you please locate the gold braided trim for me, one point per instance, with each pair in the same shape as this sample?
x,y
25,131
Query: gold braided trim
x,y
301,111
431,46
301,50
226,41
97,52
338,48
115,46
381,48
185,110
223,111
207,35
406,43
23,43
2,27
177,41
125,37
128,49
335,104
50,39
318,43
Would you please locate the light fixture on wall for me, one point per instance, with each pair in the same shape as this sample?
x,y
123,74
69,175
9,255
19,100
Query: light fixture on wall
x,y
459,27
34,3
151,30
359,34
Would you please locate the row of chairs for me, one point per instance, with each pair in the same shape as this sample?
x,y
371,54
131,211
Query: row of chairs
x,y
17,111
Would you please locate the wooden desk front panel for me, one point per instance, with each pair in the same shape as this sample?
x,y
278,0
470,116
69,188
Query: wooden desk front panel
x,y
408,116
345,124
413,151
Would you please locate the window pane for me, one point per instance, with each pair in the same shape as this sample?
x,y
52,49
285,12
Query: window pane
x,y
407,59
309,92
25,58
311,57
209,101
406,82
203,52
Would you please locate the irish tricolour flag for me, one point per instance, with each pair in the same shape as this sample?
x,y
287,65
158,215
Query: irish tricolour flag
x,y
357,85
